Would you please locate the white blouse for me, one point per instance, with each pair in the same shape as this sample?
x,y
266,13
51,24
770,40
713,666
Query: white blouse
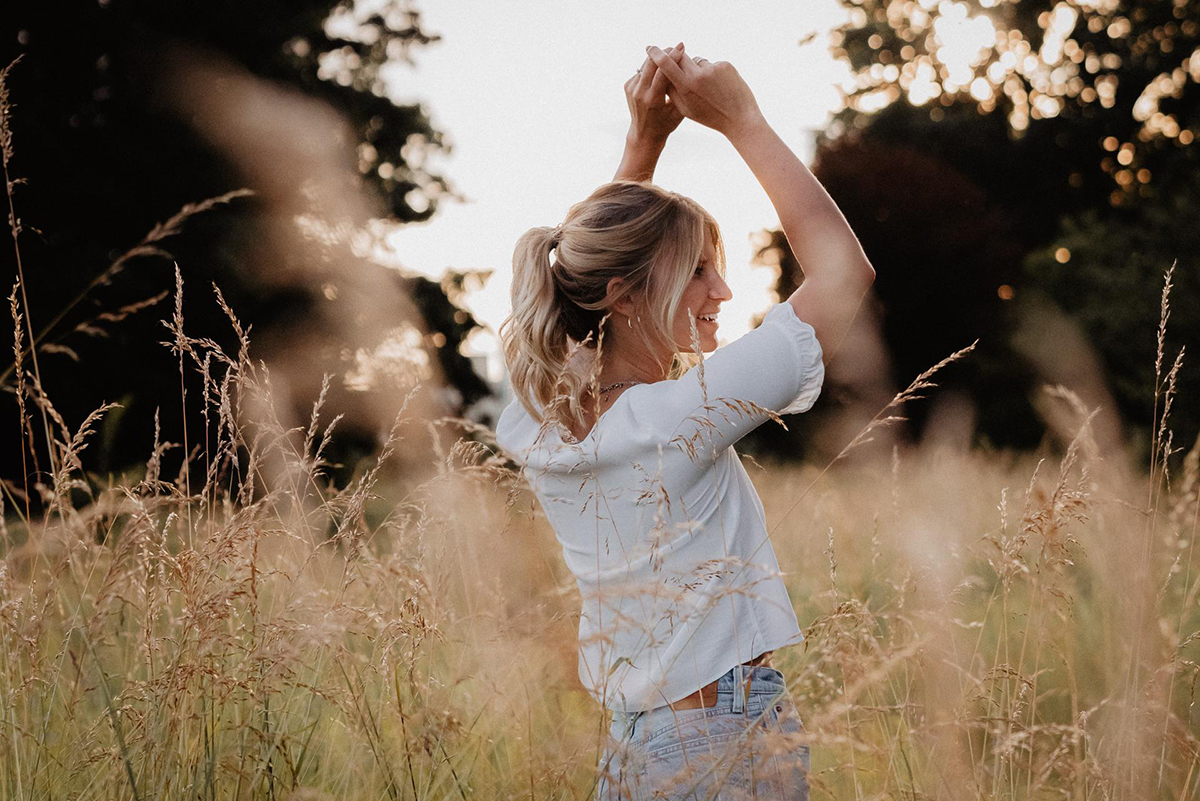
x,y
660,523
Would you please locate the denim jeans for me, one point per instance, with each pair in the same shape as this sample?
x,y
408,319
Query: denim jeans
x,y
744,746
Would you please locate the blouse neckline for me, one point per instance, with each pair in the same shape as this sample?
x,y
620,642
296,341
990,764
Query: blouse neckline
x,y
569,439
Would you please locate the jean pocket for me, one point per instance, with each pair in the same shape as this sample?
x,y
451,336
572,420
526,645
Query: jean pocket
x,y
662,722
693,730
727,756
697,758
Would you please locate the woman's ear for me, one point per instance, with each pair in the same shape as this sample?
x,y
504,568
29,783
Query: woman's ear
x,y
618,299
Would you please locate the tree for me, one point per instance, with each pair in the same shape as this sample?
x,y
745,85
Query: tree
x,y
105,152
1108,275
1068,117
1109,86
946,258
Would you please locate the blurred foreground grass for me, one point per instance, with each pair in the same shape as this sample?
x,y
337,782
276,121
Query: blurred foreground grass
x,y
979,625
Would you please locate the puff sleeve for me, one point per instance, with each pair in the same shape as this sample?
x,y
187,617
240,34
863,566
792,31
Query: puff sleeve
x,y
777,366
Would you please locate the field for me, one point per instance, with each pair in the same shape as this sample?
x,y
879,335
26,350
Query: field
x,y
979,625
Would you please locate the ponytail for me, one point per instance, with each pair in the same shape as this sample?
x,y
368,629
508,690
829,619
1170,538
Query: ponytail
x,y
545,331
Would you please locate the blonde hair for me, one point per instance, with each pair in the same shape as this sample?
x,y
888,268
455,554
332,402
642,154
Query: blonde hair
x,y
650,238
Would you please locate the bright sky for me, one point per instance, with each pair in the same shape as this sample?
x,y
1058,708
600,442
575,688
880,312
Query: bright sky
x,y
531,97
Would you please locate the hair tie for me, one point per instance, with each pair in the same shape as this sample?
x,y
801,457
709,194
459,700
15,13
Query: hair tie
x,y
555,238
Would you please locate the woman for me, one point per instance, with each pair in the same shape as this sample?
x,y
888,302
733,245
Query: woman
x,y
626,435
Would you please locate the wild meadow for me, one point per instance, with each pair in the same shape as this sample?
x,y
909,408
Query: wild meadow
x,y
979,624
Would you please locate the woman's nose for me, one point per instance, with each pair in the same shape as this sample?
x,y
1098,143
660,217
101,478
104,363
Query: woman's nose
x,y
721,291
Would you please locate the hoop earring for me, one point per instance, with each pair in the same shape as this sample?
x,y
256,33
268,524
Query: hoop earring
x,y
629,320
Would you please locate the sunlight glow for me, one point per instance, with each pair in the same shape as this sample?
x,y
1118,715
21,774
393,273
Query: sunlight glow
x,y
924,86
1062,22
400,361
980,89
1167,84
969,54
963,41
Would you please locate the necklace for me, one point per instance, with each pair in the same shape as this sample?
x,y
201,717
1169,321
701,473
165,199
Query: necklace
x,y
610,387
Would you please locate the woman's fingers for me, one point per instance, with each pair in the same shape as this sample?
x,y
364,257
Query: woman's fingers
x,y
675,71
646,73
658,81
688,68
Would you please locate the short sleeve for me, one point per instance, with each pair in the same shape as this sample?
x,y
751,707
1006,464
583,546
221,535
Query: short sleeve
x,y
811,357
778,366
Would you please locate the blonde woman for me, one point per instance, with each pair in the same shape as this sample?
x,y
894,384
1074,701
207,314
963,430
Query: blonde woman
x,y
626,435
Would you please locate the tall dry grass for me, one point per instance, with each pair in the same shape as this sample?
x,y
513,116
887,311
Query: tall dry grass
x,y
979,625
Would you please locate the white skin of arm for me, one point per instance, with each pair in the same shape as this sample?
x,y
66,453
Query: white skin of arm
x,y
837,273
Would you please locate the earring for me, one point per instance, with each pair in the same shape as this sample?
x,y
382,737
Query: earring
x,y
630,321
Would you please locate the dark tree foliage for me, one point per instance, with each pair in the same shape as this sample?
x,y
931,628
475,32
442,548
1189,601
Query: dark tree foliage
x,y
1074,120
1112,284
947,248
103,161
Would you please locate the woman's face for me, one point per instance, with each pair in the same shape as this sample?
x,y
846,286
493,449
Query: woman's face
x,y
703,296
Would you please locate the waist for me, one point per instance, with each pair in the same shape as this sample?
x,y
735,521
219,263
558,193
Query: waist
x,y
706,696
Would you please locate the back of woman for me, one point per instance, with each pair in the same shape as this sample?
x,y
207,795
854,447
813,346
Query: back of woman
x,y
625,432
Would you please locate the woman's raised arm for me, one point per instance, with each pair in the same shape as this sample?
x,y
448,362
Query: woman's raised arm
x,y
652,118
837,273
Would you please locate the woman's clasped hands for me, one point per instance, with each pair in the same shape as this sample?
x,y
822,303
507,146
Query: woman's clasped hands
x,y
653,115
671,84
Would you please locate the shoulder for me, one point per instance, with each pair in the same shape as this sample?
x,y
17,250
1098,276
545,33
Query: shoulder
x,y
783,315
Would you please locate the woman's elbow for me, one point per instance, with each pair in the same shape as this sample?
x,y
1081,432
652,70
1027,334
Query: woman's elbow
x,y
858,279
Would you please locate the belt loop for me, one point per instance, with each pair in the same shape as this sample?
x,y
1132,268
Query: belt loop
x,y
739,690
629,721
